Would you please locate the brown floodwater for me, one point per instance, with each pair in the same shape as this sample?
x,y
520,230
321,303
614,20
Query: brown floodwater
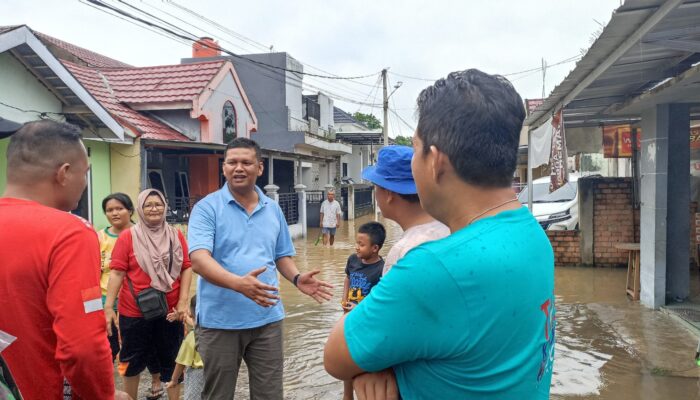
x,y
607,347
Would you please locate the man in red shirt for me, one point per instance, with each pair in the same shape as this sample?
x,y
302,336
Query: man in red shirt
x,y
49,275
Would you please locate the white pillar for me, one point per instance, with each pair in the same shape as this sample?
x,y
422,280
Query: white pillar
x,y
271,191
301,191
270,170
351,202
665,207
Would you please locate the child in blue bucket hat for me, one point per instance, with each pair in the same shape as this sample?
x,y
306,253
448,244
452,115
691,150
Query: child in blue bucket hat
x,y
398,200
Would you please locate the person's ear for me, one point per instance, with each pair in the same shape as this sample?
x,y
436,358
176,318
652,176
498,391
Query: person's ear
x,y
389,195
62,174
375,248
261,168
438,163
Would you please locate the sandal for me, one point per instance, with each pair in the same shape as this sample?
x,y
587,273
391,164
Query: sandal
x,y
155,393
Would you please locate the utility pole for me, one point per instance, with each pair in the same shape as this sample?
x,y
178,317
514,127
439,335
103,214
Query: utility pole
x,y
386,109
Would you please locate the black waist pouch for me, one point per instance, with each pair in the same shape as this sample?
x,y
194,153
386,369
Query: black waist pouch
x,y
152,302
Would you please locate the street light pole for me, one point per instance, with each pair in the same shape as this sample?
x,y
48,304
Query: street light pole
x,y
386,108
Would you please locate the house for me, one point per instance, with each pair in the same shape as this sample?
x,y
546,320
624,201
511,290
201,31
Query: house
x,y
365,144
170,121
295,131
35,83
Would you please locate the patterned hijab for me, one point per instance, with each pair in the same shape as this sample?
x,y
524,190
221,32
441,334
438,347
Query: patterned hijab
x,y
152,243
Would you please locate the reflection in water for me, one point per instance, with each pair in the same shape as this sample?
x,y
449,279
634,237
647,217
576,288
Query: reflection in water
x,y
607,347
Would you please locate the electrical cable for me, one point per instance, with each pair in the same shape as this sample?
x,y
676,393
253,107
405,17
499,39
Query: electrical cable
x,y
538,69
192,38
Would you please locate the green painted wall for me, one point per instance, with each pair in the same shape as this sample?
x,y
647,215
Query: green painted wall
x,y
100,167
19,88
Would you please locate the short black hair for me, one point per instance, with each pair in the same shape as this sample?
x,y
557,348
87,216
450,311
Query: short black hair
x,y
411,198
375,231
245,143
475,119
39,146
120,197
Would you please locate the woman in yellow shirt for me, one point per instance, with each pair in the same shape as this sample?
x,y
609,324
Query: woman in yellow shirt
x,y
119,209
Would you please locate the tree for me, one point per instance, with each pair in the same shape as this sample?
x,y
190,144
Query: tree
x,y
368,119
403,141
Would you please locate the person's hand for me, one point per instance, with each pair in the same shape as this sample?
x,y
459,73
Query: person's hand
x,y
254,289
171,385
376,386
347,305
119,395
111,318
173,315
316,289
183,308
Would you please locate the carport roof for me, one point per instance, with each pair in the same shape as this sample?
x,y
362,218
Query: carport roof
x,y
646,44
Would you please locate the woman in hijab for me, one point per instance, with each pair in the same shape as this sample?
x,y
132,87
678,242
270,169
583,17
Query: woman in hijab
x,y
150,254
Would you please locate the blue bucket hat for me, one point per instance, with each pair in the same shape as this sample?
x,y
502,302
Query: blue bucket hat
x,y
393,170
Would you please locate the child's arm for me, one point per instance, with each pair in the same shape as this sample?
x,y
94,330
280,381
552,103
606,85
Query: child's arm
x,y
177,373
344,302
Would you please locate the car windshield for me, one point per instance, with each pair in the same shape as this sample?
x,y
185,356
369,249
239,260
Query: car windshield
x,y
541,193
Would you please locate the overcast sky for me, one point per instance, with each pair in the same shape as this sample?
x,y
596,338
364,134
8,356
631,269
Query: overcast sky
x,y
424,39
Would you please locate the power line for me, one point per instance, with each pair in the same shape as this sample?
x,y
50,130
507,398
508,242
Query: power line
x,y
538,69
402,120
251,42
192,38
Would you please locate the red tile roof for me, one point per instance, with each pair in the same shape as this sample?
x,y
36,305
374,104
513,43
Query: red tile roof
x,y
115,84
90,58
97,84
168,83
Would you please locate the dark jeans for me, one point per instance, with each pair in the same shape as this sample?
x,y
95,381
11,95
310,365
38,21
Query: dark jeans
x,y
141,339
222,351
151,363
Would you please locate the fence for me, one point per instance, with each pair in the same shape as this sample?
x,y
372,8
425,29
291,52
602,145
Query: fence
x,y
289,203
363,201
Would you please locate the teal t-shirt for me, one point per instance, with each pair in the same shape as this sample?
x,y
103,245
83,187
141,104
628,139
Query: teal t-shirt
x,y
470,316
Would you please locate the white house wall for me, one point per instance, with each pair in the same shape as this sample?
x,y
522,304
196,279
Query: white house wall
x,y
325,104
227,91
19,88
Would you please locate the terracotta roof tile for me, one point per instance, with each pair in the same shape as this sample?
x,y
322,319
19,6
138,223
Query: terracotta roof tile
x,y
90,58
97,84
168,83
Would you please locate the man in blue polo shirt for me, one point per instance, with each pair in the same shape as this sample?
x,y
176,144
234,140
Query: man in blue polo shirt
x,y
470,316
239,240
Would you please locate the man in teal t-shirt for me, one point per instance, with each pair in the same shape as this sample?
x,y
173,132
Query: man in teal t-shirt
x,y
470,316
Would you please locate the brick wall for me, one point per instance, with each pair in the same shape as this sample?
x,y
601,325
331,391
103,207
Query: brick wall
x,y
614,220
566,247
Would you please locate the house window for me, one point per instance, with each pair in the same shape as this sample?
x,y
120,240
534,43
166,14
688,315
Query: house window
x,y
345,169
229,122
155,180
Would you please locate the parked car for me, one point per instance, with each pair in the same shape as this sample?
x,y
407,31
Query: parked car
x,y
555,211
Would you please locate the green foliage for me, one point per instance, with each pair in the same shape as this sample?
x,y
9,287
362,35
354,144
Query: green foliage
x,y
403,141
368,119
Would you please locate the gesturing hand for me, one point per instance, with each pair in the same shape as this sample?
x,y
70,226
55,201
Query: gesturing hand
x,y
252,288
317,289
376,386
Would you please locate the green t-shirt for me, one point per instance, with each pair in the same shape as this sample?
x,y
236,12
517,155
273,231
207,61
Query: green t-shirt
x,y
470,316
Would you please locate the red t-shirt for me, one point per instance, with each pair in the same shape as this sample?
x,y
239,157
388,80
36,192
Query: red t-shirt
x,y
50,300
123,259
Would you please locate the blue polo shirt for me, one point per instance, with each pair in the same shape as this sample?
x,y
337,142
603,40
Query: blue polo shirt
x,y
240,243
470,316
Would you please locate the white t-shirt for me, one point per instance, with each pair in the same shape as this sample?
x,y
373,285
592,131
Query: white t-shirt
x,y
413,237
330,213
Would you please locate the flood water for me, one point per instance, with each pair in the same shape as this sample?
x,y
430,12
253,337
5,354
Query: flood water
x,y
607,347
